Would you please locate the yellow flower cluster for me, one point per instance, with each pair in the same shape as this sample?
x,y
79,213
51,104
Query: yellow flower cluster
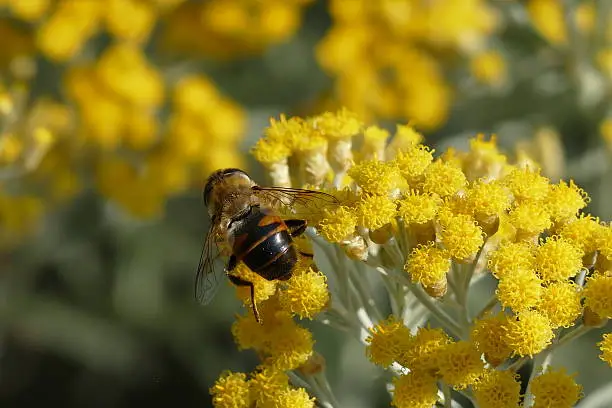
x,y
230,28
281,343
265,388
387,56
139,128
438,223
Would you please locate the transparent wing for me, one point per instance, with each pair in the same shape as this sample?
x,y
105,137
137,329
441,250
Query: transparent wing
x,y
207,276
295,201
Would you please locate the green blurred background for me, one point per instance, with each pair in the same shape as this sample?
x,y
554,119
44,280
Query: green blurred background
x,y
102,224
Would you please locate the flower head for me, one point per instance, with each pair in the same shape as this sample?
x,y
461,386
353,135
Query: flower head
x,y
565,200
583,232
415,390
375,211
555,388
561,303
306,294
231,390
605,345
511,257
530,219
416,208
387,342
498,389
413,161
520,290
338,225
598,294
529,333
488,198
428,264
443,179
461,236
459,364
339,125
266,384
527,185
263,287
375,176
488,334
424,347
557,259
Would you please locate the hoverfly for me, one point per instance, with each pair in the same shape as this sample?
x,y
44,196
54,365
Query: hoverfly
x,y
246,226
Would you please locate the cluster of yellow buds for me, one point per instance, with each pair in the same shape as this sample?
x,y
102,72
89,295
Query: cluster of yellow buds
x,y
428,227
387,57
231,28
120,116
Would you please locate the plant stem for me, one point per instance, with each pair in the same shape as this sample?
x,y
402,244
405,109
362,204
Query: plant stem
x,y
446,391
441,315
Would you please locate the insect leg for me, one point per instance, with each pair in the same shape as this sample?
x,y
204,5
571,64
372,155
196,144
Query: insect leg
x,y
238,281
231,264
296,227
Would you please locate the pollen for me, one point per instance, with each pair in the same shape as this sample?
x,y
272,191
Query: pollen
x,y
489,337
528,334
557,259
416,208
460,365
530,219
374,212
231,390
520,290
555,388
413,161
424,348
565,200
510,258
338,225
305,295
443,178
498,389
488,198
387,342
461,236
583,232
527,185
428,264
605,345
375,176
561,303
415,390
598,294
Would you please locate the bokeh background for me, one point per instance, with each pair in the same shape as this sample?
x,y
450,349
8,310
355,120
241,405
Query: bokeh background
x,y
113,113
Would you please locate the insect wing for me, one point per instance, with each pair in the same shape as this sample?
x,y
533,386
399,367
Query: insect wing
x,y
207,277
295,201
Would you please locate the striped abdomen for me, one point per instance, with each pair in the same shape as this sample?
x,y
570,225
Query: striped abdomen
x,y
264,244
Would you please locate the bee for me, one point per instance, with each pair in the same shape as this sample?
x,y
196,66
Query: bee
x,y
246,225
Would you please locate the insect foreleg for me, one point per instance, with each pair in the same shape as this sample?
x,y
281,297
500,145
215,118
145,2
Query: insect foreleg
x,y
238,281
